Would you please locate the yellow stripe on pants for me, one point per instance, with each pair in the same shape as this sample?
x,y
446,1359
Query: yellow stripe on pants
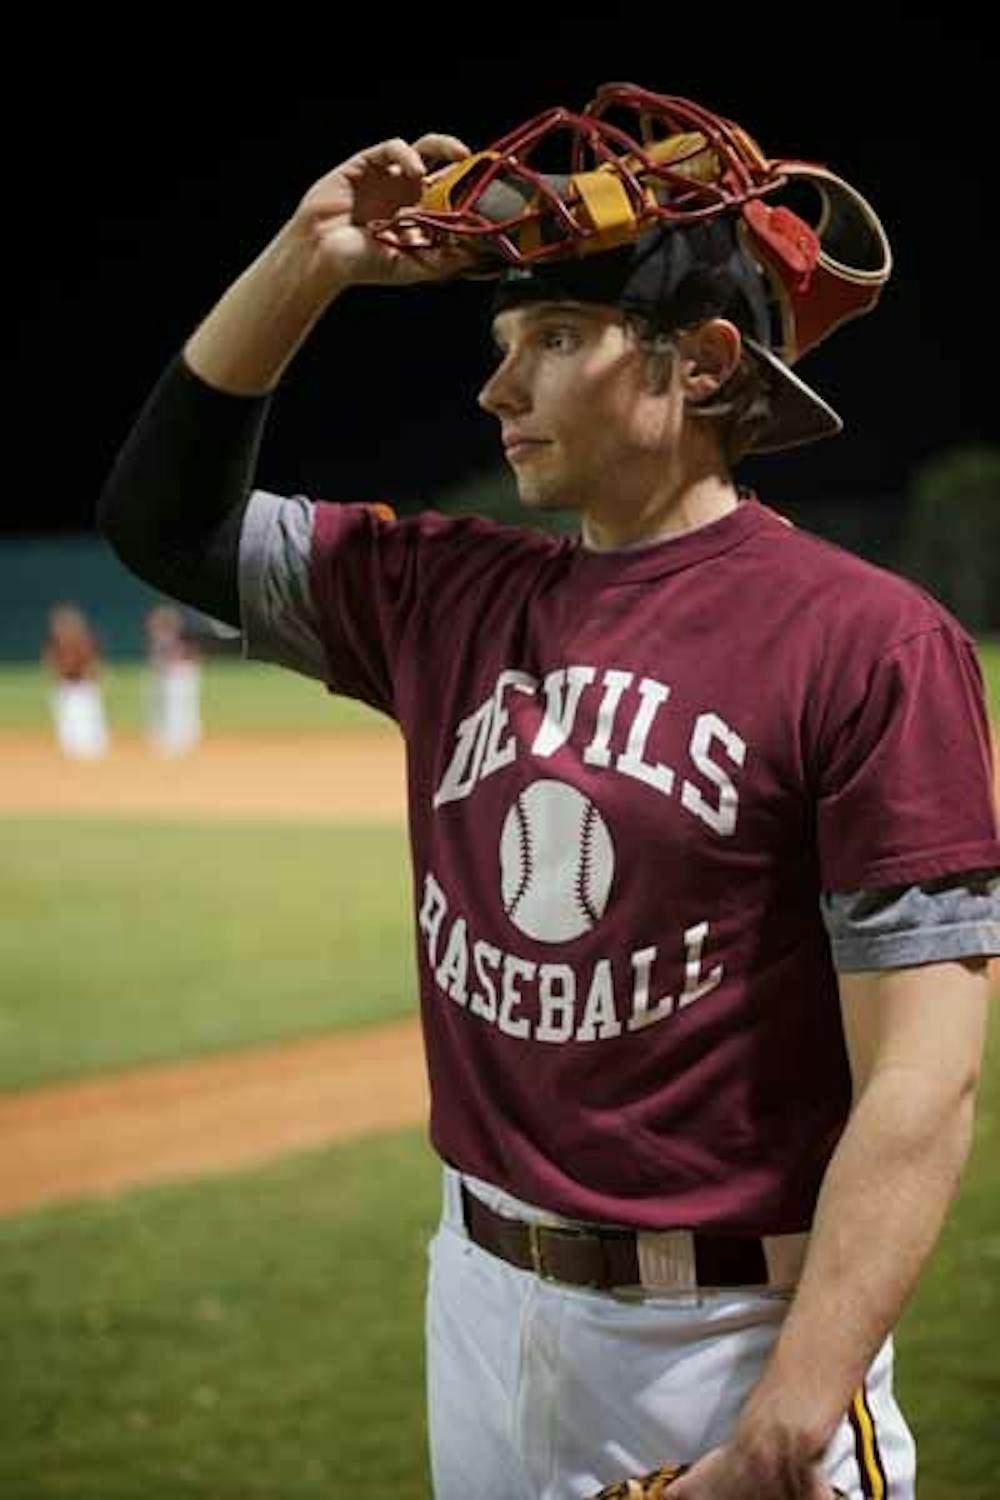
x,y
872,1475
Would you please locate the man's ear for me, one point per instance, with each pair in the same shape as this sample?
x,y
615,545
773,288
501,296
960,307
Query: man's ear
x,y
709,353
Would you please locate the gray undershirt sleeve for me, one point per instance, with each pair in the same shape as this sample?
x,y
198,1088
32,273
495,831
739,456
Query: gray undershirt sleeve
x,y
955,917
276,607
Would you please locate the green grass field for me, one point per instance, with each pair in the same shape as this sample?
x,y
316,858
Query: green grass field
x,y
128,942
256,1337
259,1334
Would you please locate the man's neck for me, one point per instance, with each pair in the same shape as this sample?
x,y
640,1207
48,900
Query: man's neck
x,y
697,505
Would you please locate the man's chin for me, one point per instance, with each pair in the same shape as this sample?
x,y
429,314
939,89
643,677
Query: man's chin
x,y
538,498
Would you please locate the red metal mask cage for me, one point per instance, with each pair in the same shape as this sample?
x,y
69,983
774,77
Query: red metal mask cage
x,y
669,162
677,162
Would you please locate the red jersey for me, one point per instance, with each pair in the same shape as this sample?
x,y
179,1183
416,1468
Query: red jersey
x,y
72,657
630,777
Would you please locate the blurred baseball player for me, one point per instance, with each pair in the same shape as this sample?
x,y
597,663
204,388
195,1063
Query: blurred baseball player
x,y
72,655
173,682
700,806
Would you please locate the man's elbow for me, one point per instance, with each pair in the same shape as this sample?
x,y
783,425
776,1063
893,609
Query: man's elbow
x,y
964,1107
133,530
923,1116
950,1128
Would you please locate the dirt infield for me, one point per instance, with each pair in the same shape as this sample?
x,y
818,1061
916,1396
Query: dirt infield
x,y
355,777
153,1124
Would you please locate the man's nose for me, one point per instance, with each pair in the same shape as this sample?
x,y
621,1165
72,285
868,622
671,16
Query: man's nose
x,y
505,391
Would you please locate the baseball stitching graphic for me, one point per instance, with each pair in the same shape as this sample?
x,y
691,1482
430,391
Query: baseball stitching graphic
x,y
557,862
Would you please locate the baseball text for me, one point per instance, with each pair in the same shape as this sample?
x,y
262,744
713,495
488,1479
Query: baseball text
x,y
556,1002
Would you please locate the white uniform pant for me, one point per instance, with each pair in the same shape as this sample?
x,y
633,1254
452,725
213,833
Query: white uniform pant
x,y
539,1391
80,722
174,707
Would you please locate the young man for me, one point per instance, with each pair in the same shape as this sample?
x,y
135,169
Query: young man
x,y
702,827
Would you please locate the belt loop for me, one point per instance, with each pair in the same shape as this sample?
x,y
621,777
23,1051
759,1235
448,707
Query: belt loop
x,y
453,1199
535,1248
785,1255
667,1260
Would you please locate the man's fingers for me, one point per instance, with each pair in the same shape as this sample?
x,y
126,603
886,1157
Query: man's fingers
x,y
397,156
435,147
401,159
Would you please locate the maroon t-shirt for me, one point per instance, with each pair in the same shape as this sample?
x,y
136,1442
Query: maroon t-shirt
x,y
630,776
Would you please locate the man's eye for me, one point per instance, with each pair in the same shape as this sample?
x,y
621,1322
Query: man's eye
x,y
560,338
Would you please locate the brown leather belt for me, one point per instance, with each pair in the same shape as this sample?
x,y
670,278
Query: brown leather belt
x,y
605,1258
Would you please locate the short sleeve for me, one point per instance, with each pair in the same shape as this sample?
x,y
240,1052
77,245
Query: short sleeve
x,y
906,776
365,582
325,590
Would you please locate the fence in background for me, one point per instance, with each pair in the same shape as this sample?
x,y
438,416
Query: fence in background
x,y
37,572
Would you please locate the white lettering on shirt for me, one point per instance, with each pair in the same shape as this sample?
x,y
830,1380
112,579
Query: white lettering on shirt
x,y
694,986
562,699
598,752
467,757
432,912
619,731
558,1002
514,969
632,763
496,755
722,817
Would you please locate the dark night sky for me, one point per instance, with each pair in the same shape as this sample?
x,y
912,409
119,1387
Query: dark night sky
x,y
137,201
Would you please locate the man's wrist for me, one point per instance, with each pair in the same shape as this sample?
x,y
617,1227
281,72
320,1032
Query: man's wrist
x,y
776,1456
784,1432
245,343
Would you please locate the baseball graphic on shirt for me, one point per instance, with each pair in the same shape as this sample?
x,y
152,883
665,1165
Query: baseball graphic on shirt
x,y
557,863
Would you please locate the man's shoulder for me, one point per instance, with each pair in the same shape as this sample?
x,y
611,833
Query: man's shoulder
x,y
482,532
425,526
425,539
839,587
463,552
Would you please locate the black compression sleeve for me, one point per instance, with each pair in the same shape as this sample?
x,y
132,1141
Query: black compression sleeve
x,y
172,505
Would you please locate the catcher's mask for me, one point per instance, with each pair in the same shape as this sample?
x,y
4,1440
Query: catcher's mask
x,y
679,217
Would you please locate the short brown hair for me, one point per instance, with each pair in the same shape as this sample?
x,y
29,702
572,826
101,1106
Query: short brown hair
x,y
740,409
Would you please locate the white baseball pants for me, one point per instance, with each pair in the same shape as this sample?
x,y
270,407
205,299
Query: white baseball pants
x,y
80,722
538,1391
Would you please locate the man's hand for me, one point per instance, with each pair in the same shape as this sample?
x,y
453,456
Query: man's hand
x,y
374,184
738,1472
252,333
